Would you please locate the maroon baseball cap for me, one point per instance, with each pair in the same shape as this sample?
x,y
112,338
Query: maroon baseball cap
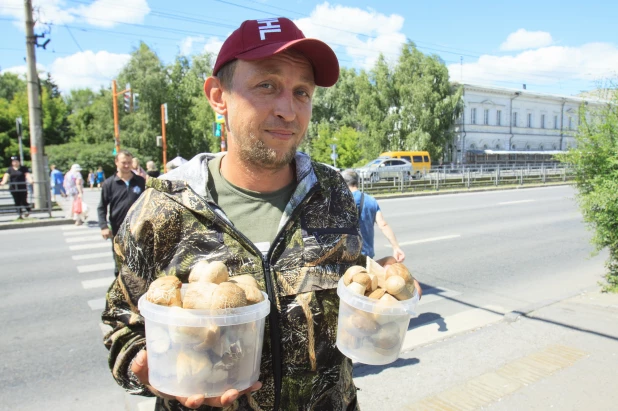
x,y
258,39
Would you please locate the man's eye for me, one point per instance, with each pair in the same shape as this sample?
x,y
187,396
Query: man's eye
x,y
265,85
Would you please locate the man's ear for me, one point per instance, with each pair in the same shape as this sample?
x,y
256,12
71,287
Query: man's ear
x,y
214,94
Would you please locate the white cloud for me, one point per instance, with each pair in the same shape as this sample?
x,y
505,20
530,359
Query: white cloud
x,y
362,34
543,66
87,69
523,39
186,44
102,13
213,45
23,70
108,13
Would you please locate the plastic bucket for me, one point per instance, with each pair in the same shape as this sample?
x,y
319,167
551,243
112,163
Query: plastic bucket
x,y
203,351
369,331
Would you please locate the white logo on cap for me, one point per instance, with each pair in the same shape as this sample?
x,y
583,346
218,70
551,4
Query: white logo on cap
x,y
269,27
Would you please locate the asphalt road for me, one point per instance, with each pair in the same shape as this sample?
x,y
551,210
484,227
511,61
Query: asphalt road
x,y
477,256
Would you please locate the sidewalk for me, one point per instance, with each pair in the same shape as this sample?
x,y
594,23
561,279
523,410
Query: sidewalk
x,y
41,219
563,356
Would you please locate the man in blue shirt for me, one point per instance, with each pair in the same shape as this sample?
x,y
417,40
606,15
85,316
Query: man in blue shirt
x,y
369,214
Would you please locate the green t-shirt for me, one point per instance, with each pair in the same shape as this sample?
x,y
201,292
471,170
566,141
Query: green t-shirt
x,y
254,214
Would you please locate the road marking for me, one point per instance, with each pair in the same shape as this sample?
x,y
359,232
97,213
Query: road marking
x,y
432,296
106,254
74,227
95,267
83,239
446,327
98,283
479,392
516,202
76,233
88,246
97,304
427,240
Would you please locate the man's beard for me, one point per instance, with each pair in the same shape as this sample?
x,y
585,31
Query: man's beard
x,y
253,151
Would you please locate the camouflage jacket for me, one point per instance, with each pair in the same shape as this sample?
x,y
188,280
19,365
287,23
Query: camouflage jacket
x,y
175,223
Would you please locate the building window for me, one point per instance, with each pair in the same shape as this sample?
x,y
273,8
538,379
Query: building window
x,y
541,147
486,117
499,117
556,122
515,119
529,120
473,116
513,147
542,120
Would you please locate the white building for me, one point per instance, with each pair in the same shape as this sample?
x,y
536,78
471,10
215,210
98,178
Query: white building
x,y
498,120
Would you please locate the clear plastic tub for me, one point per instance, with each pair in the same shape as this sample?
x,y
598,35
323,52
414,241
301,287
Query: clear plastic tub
x,y
203,351
370,332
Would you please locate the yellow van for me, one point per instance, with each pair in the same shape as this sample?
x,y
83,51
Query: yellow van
x,y
421,161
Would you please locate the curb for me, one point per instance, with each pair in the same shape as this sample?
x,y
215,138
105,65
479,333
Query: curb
x,y
42,223
472,190
525,311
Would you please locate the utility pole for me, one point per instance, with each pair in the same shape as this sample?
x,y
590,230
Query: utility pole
x,y
41,183
115,94
163,136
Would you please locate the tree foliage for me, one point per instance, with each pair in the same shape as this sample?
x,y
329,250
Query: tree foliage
x,y
407,104
595,163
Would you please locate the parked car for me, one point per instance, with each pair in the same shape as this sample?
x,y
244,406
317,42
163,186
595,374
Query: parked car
x,y
421,161
385,168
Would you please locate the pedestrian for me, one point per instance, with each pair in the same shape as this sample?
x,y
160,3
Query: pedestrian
x,y
151,169
18,176
100,176
369,214
137,169
56,179
74,186
91,178
262,209
118,194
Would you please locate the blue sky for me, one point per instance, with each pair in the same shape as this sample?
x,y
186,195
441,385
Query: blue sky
x,y
559,47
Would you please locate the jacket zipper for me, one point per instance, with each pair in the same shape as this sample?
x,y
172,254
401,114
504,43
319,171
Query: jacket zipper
x,y
275,333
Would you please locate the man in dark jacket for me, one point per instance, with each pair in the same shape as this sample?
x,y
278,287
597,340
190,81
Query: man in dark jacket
x,y
262,209
118,194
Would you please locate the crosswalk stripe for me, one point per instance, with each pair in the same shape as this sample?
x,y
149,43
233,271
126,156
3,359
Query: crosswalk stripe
x,y
76,233
83,239
106,254
453,324
104,328
98,283
74,227
147,405
89,246
95,267
97,304
427,240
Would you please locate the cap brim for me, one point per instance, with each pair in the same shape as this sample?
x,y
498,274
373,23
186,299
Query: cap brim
x,y
320,55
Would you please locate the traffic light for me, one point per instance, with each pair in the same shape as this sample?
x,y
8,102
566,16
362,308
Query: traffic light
x,y
135,101
127,98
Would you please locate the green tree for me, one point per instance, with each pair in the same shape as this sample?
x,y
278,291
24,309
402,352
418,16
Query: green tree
x,y
595,163
426,103
91,118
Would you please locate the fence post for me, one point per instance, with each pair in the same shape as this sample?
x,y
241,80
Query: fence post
x,y
468,178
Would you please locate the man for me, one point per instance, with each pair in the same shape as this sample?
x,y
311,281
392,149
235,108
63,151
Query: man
x,y
262,209
56,179
151,169
118,193
369,213
18,175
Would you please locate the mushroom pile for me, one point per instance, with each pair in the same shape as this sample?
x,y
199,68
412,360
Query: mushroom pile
x,y
377,331
208,354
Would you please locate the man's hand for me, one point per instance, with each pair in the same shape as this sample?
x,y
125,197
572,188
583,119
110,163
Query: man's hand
x,y
399,254
140,369
106,233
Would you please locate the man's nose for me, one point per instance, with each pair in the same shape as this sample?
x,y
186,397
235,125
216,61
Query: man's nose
x,y
284,106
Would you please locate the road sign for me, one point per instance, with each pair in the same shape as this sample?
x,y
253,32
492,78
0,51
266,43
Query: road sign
x,y
219,118
333,146
165,110
334,156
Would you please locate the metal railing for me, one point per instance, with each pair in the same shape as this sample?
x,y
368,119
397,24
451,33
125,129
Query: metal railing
x,y
465,177
12,193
